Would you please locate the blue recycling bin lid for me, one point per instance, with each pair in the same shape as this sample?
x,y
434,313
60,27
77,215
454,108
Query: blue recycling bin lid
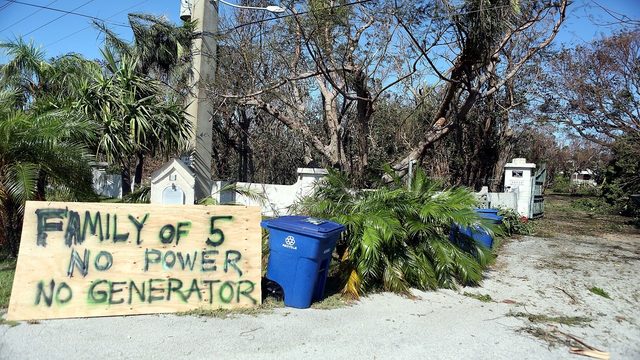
x,y
486,211
496,219
305,225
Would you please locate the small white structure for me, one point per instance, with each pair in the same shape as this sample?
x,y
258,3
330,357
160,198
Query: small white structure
x,y
275,200
584,177
517,178
172,184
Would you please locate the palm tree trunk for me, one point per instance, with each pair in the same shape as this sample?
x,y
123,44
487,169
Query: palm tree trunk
x,y
41,186
139,167
126,180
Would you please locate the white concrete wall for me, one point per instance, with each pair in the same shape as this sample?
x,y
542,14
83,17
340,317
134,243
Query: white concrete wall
x,y
109,185
276,200
507,200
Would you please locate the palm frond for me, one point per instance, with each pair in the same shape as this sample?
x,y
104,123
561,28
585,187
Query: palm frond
x,y
21,182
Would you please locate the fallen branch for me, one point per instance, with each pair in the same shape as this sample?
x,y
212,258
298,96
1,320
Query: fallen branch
x,y
573,299
590,353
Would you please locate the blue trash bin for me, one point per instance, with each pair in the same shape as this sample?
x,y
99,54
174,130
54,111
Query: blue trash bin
x,y
300,251
486,211
475,232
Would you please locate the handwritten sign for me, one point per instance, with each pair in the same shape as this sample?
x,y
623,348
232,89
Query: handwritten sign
x,y
98,259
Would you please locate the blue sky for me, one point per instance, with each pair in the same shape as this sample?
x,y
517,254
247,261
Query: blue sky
x,y
72,33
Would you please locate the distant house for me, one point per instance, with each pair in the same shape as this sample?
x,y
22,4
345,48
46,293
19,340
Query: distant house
x,y
584,177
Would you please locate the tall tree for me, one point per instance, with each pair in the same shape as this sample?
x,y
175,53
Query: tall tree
x,y
133,115
321,73
325,72
595,89
43,144
162,53
480,63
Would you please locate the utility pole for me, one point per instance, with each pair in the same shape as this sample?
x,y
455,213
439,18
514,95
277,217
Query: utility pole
x,y
200,109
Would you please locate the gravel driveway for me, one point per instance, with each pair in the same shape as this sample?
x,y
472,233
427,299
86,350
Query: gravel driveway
x,y
538,297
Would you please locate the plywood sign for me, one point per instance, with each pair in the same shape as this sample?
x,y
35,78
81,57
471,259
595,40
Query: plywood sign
x,y
97,259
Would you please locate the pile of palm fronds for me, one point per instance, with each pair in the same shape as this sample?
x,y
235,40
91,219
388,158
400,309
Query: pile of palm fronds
x,y
397,237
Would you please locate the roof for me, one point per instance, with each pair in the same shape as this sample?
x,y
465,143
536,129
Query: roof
x,y
176,164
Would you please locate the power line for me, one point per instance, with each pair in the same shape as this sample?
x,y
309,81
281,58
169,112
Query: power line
x,y
5,6
61,16
118,13
221,32
28,16
65,13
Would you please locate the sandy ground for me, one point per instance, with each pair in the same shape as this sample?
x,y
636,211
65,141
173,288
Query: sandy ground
x,y
534,282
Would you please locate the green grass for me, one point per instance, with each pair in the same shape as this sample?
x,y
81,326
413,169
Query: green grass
x,y
564,320
599,291
7,270
481,297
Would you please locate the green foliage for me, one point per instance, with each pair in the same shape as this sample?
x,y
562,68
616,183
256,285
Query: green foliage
x,y
250,194
397,238
514,224
140,195
7,270
561,184
623,175
593,205
599,291
42,142
36,151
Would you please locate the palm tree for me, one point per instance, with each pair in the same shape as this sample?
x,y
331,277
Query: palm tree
x,y
162,52
37,150
24,74
133,116
42,142
162,48
398,238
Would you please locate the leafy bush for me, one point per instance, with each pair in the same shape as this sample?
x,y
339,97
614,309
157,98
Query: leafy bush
x,y
593,205
514,224
397,238
623,175
561,184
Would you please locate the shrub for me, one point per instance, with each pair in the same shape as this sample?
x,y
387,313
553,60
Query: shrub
x,y
514,224
623,175
593,205
561,184
397,238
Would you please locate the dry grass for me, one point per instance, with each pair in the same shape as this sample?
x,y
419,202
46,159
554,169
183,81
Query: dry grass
x,y
266,307
561,217
480,297
546,319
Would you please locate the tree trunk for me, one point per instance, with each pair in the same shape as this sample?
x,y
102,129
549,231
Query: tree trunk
x,y
505,152
139,168
41,186
126,180
243,147
364,108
